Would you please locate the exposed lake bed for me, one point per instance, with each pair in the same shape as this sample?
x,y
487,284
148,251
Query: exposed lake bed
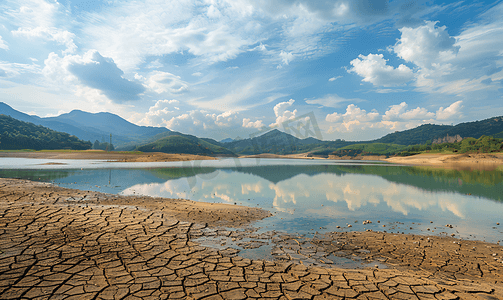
x,y
337,215
55,239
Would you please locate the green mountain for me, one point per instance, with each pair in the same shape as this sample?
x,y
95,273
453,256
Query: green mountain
x,y
185,144
16,135
428,132
273,141
91,126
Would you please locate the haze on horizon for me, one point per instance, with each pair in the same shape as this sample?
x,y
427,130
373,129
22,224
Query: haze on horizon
x,y
223,69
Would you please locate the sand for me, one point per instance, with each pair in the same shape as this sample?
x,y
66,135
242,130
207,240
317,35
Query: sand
x,y
110,156
472,161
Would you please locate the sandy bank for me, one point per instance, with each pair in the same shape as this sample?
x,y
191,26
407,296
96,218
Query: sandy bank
x,y
110,156
481,161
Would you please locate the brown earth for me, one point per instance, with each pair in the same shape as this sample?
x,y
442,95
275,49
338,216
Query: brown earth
x,y
58,243
472,161
481,161
110,156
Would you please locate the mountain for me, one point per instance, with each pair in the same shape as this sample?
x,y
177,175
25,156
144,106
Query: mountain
x,y
428,132
273,141
17,135
227,140
414,136
185,144
91,126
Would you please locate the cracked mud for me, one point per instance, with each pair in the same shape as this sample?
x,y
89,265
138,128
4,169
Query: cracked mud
x,y
59,243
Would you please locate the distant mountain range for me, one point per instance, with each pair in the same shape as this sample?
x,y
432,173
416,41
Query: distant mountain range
x,y
89,126
128,136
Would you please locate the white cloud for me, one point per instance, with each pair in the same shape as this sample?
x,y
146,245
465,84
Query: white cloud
x,y
450,111
168,27
197,74
216,31
425,45
354,117
331,100
188,120
286,57
458,65
3,45
202,123
155,64
397,117
32,13
61,37
334,78
13,69
159,113
94,71
373,69
164,82
248,124
282,114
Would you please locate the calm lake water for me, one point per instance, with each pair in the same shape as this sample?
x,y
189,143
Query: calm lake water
x,y
305,196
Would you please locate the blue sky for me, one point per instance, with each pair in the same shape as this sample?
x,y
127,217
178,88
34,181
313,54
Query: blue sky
x,y
232,68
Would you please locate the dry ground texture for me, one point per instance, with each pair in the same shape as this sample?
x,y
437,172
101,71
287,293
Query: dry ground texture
x,y
58,243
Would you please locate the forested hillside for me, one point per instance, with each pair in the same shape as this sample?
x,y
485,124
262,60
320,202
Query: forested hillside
x,y
16,135
185,144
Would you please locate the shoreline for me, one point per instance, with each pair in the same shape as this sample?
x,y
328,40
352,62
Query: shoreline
x,y
466,161
110,156
63,243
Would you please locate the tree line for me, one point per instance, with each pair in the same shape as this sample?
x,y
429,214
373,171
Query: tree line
x,y
17,135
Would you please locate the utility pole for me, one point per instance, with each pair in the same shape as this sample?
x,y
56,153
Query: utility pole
x,y
110,142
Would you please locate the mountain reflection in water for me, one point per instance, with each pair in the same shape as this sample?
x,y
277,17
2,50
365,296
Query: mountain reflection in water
x,y
310,198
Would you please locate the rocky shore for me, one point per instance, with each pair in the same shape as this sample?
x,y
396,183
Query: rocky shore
x,y
58,243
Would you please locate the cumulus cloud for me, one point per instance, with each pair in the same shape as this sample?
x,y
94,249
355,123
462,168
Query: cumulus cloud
x,y
162,82
94,71
247,123
396,117
203,123
374,69
282,114
352,118
400,112
450,111
459,65
425,45
334,78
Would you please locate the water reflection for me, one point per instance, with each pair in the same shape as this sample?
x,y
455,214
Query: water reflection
x,y
308,198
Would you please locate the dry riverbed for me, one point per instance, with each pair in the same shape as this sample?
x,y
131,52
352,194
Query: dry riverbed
x,y
58,243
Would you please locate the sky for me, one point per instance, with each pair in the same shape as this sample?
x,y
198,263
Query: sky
x,y
353,70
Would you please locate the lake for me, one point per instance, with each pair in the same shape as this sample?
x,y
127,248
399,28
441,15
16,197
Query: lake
x,y
305,196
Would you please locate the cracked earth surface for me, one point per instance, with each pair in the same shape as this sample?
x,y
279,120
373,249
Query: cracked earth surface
x,y
55,245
